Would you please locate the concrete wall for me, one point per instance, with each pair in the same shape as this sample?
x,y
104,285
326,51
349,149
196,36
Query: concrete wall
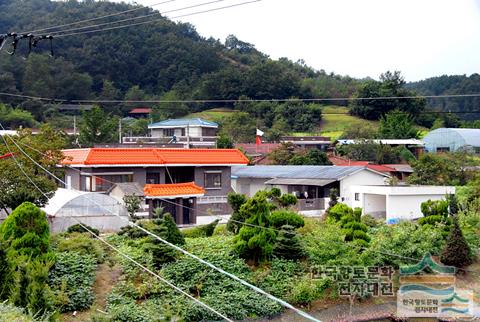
x,y
374,205
364,177
407,207
249,186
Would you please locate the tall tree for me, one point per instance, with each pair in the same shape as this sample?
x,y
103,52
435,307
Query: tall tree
x,y
372,107
44,148
97,127
456,252
397,125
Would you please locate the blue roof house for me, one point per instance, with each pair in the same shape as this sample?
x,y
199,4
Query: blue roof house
x,y
197,132
452,139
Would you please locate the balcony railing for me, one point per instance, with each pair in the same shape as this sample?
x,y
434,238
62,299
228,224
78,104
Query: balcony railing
x,y
311,204
203,140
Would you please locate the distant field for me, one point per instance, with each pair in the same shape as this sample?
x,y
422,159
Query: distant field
x,y
335,120
214,115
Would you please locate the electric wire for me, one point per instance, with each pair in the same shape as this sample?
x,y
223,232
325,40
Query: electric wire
x,y
157,20
97,18
273,100
113,247
135,18
220,270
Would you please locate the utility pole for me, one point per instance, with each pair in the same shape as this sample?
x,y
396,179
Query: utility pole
x,y
188,135
120,131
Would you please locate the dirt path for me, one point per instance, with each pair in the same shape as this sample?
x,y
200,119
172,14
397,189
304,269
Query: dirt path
x,y
105,280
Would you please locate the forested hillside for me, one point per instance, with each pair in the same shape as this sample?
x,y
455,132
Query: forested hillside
x,y
158,60
456,84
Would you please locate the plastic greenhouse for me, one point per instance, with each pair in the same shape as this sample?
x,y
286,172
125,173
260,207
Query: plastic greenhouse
x,y
93,209
450,140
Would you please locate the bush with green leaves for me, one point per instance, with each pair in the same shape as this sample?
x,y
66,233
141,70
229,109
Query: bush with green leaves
x,y
306,290
80,243
26,231
405,239
456,251
71,280
201,231
288,244
77,228
435,208
9,312
255,243
236,200
338,211
286,200
25,237
281,217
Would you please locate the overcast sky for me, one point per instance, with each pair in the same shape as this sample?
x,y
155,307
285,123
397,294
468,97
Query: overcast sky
x,y
421,38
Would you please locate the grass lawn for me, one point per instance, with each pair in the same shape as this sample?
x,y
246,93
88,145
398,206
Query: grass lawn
x,y
214,115
334,122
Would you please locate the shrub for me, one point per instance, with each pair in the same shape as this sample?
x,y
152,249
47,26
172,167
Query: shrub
x,y
355,225
370,221
79,229
456,251
236,200
306,290
255,243
201,231
339,210
287,200
406,239
71,280
430,220
434,207
279,218
26,230
82,244
287,244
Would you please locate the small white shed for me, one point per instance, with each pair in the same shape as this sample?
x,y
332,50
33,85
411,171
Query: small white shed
x,y
90,208
395,203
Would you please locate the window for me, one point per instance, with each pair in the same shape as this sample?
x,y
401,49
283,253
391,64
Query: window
x,y
443,149
105,182
357,196
213,180
168,132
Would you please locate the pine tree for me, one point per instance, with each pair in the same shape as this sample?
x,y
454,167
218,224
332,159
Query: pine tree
x,y
456,251
173,234
288,244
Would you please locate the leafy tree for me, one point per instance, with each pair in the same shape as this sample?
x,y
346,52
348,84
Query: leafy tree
x,y
367,132
299,117
282,217
397,125
5,273
287,244
170,109
132,203
390,85
236,200
14,118
283,154
371,151
436,169
255,243
97,127
456,251
310,157
224,142
44,148
239,126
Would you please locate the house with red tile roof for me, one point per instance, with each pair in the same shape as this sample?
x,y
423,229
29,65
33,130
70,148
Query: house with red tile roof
x,y
191,184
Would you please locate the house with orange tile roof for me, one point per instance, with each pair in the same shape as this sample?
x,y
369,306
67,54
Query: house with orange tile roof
x,y
191,184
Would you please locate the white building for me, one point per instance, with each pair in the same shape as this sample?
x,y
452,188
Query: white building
x,y
358,186
395,202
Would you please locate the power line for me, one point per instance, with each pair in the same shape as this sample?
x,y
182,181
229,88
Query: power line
x,y
135,18
157,20
113,247
234,277
97,18
272,100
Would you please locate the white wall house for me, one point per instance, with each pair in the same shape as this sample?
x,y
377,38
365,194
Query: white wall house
x,y
311,184
395,202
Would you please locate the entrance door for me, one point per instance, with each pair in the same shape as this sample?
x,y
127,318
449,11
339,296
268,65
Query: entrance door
x,y
186,211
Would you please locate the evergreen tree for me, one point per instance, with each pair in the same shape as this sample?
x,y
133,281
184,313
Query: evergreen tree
x,y
173,234
288,244
5,273
456,251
